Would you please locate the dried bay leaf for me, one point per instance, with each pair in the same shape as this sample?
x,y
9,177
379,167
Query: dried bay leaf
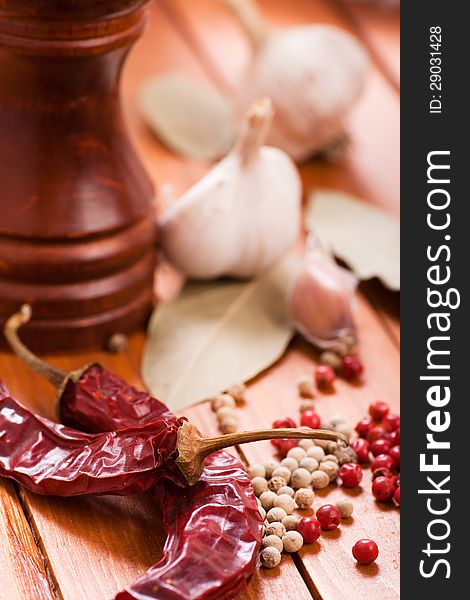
x,y
190,118
363,236
217,334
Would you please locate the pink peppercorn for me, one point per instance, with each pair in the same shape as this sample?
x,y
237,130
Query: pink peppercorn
x,y
351,475
383,460
383,489
329,517
361,447
378,410
324,376
363,427
351,368
310,418
365,551
380,446
309,528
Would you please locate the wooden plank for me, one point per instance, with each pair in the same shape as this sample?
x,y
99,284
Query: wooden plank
x,y
22,572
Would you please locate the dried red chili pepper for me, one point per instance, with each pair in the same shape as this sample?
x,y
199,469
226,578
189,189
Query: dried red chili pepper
x,y
220,511
49,458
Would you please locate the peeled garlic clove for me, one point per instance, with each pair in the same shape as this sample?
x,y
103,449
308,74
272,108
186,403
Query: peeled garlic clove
x,y
320,298
313,75
243,215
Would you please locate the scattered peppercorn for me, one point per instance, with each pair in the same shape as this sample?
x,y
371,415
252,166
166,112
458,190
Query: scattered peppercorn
x,y
275,528
270,557
272,541
331,359
309,418
329,517
292,541
285,502
305,386
351,368
378,410
275,514
301,478
310,529
383,488
320,480
365,551
324,377
304,498
275,483
286,489
290,522
346,455
345,507
351,475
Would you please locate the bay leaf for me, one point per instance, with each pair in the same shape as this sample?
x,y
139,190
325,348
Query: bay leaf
x,y
190,118
363,236
217,334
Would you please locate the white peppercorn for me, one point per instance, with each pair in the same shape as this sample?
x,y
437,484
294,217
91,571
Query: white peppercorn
x,y
222,400
305,386
336,419
270,557
229,425
237,391
297,453
267,499
290,463
225,412
304,498
286,489
292,541
269,468
275,483
330,447
330,468
276,528
275,514
286,502
319,480
306,405
290,522
262,512
283,472
306,444
346,455
309,463
256,470
345,507
316,452
344,428
272,541
332,359
260,485
330,457
300,478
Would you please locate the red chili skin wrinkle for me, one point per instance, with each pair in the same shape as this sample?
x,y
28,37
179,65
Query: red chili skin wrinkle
x,y
213,528
49,458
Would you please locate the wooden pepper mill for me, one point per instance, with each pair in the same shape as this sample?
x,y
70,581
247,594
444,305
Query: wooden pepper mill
x,y
77,224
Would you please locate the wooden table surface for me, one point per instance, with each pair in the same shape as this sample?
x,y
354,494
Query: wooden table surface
x,y
90,548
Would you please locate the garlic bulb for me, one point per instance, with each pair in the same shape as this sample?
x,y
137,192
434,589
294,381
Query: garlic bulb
x,y
243,215
320,298
313,75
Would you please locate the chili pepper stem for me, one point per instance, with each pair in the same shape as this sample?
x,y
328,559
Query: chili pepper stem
x,y
193,447
52,374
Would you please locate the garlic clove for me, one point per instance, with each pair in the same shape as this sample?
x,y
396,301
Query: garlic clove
x,y
321,297
243,216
